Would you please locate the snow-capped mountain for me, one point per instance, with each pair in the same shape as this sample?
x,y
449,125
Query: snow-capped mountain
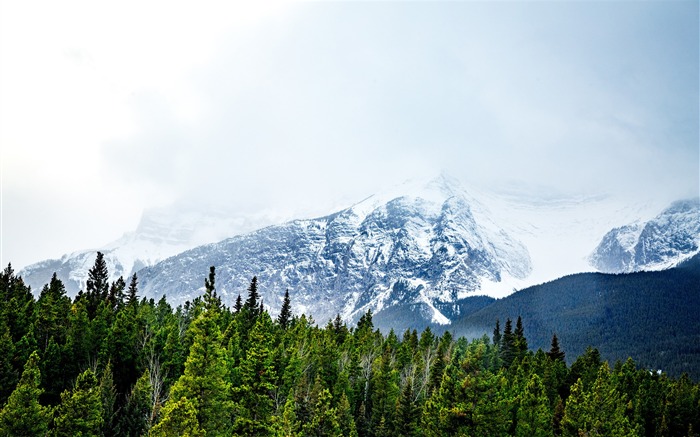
x,y
657,244
419,251
428,249
161,233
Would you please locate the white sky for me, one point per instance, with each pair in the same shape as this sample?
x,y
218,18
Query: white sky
x,y
110,108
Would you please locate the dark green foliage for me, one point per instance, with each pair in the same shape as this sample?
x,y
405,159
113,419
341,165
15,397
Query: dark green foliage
x,y
555,353
614,313
243,373
133,420
81,410
285,315
97,285
23,415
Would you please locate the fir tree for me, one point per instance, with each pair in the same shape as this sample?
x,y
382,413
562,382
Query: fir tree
x,y
133,300
97,284
22,415
133,420
497,334
533,417
508,349
80,411
179,418
204,382
555,354
239,304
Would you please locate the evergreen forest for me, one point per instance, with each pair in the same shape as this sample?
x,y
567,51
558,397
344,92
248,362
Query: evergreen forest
x,y
110,363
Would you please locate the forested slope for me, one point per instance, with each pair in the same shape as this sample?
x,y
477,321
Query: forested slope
x,y
651,316
109,363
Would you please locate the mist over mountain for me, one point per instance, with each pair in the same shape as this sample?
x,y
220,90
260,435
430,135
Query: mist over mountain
x,y
416,254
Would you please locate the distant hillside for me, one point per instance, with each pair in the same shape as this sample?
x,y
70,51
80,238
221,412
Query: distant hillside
x,y
652,316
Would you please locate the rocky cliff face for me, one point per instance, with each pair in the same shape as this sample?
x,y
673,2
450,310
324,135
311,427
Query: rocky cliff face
x,y
660,243
422,253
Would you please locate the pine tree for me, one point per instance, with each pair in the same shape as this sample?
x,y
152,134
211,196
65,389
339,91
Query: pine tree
x,y
204,382
23,415
97,284
238,305
508,348
497,334
597,411
133,292
51,313
555,354
534,418
80,411
179,418
108,395
285,315
407,413
257,375
133,420
520,342
8,374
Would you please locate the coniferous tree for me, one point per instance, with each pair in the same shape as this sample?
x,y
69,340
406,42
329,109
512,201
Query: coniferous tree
x,y
238,305
133,420
254,395
97,284
8,374
204,382
80,411
508,350
133,299
108,396
407,413
520,342
598,410
22,415
497,334
179,419
533,417
285,315
555,353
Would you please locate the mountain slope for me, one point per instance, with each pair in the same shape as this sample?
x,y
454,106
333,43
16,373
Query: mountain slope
x,y
660,243
651,316
161,233
426,251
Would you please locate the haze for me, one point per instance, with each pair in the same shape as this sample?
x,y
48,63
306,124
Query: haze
x,y
296,108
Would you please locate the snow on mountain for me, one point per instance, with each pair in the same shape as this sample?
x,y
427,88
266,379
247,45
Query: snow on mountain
x,y
660,243
416,252
161,233
422,245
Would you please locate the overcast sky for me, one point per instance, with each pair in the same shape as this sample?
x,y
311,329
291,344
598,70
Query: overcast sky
x,y
107,108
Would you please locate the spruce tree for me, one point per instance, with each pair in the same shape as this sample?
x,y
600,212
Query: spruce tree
x,y
133,420
22,415
257,374
520,342
497,334
555,354
133,300
251,303
205,379
508,349
80,411
8,374
97,284
179,418
534,417
598,410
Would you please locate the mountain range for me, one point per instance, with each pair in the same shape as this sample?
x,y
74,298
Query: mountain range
x,y
417,253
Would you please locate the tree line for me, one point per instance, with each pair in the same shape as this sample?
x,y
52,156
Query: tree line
x,y
109,363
